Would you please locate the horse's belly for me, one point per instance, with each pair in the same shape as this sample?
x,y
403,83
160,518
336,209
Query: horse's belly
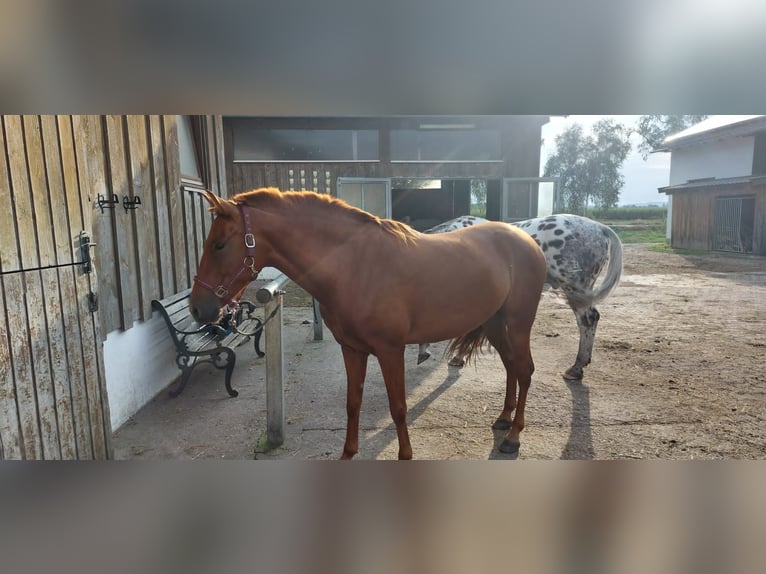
x,y
431,323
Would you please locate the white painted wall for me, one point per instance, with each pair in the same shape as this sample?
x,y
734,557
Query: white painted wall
x,y
720,159
139,363
669,220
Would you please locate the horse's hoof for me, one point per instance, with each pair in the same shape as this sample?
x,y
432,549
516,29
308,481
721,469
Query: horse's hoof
x,y
509,446
456,362
423,357
573,374
501,424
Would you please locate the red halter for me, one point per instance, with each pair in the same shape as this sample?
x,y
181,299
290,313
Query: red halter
x,y
222,291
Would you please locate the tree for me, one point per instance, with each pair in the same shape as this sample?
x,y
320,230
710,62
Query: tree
x,y
654,129
479,192
588,166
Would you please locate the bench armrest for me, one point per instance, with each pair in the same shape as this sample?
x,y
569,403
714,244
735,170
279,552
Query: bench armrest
x,y
258,327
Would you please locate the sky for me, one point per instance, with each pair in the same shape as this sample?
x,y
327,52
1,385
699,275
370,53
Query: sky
x,y
642,178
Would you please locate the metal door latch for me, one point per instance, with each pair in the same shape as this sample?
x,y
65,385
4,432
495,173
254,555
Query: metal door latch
x,y
92,302
85,260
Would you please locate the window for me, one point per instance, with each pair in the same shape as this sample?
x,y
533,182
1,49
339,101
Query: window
x,y
528,197
298,145
190,148
445,145
371,195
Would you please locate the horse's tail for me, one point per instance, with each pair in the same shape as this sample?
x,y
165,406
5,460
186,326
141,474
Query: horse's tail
x,y
611,279
468,345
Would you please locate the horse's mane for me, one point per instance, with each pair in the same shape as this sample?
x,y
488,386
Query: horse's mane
x,y
319,201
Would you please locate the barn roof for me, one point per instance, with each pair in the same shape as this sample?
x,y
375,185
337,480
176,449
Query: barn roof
x,y
708,181
715,127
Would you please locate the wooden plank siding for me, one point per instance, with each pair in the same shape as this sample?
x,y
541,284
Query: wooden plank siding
x,y
153,250
693,215
143,217
76,165
53,402
42,294
60,334
125,256
23,291
87,151
11,442
162,206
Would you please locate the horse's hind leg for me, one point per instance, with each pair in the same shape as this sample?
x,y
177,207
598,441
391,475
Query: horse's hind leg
x,y
587,321
498,338
356,369
423,352
524,368
512,344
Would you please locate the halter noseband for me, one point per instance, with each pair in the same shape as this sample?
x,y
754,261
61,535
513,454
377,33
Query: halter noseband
x,y
222,291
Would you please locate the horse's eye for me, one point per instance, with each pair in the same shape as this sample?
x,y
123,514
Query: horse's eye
x,y
219,245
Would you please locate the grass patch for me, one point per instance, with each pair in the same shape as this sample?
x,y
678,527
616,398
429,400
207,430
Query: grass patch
x,y
640,233
634,224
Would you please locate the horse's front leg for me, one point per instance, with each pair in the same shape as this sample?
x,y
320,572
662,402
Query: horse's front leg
x,y
356,369
392,366
587,321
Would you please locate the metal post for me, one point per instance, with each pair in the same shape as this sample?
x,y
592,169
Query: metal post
x,y
275,396
318,335
271,296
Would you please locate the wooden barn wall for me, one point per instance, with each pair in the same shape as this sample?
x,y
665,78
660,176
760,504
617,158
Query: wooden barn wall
x,y
152,251
694,213
520,144
759,239
52,393
521,140
53,170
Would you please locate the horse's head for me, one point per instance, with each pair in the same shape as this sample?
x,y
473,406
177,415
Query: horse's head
x,y
228,261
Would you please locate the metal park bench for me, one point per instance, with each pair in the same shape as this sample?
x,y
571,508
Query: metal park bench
x,y
211,343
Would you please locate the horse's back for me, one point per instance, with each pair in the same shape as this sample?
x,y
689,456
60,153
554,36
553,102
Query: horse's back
x,y
513,256
515,247
492,265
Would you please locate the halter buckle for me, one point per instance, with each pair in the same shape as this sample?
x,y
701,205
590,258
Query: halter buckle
x,y
249,240
221,291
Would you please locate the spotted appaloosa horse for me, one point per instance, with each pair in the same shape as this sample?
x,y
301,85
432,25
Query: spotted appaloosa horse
x,y
577,250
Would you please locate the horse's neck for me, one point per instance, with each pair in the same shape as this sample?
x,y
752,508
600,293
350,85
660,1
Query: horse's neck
x,y
301,235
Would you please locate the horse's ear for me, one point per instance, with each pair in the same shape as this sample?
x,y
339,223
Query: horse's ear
x,y
218,205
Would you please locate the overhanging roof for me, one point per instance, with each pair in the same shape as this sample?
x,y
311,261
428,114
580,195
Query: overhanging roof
x,y
712,181
713,128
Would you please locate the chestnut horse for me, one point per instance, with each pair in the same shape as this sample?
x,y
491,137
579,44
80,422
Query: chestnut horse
x,y
381,285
